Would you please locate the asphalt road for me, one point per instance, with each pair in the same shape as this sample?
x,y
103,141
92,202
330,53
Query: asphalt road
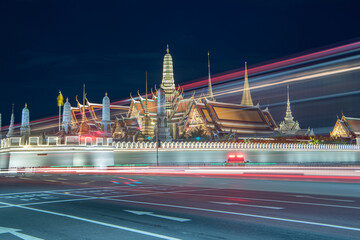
x,y
62,206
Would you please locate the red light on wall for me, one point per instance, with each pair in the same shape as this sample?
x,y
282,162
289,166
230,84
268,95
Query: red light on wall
x,y
240,156
231,156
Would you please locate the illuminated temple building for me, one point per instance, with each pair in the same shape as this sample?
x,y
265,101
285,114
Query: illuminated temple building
x,y
146,116
289,127
347,128
186,114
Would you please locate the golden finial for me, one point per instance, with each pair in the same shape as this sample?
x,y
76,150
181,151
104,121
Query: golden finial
x,y
167,48
26,105
106,93
67,99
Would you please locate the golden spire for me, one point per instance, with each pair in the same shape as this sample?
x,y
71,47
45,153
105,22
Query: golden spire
x,y
167,82
26,105
146,96
210,92
246,97
83,116
106,93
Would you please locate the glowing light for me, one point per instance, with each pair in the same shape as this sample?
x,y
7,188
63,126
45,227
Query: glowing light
x,y
232,156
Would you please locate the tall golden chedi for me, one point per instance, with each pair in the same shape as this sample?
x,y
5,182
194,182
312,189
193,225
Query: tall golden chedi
x,y
168,83
246,97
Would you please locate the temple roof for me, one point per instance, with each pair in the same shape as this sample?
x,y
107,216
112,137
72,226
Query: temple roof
x,y
353,124
235,117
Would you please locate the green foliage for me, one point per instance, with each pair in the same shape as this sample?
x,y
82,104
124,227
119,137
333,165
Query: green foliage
x,y
247,141
314,140
197,133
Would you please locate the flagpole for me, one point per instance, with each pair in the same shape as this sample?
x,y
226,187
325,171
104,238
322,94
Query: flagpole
x,y
59,117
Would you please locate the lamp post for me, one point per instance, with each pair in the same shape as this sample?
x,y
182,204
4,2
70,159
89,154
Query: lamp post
x,y
157,146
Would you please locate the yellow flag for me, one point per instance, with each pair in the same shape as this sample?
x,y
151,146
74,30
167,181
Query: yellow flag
x,y
60,99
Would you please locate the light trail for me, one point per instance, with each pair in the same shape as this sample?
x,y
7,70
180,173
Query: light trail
x,y
47,123
323,174
291,80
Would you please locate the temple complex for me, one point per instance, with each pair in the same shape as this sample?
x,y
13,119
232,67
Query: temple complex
x,y
165,112
187,114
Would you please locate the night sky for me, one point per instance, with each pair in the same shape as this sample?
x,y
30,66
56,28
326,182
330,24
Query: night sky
x,y
50,45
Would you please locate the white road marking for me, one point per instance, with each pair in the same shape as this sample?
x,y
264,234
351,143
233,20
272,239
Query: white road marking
x,y
330,199
85,197
95,222
62,190
247,205
15,232
157,215
56,201
272,200
242,214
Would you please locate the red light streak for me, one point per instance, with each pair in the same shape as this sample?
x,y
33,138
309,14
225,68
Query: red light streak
x,y
240,73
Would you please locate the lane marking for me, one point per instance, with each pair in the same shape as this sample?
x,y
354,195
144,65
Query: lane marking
x,y
271,200
55,201
242,214
85,188
61,190
15,232
84,197
95,222
140,213
331,199
247,205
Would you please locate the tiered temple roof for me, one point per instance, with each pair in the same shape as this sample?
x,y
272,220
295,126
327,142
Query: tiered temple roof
x,y
346,127
237,118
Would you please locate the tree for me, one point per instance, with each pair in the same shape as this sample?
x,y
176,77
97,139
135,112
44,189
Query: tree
x,y
197,134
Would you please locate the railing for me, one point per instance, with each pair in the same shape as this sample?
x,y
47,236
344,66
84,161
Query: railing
x,y
233,145
55,141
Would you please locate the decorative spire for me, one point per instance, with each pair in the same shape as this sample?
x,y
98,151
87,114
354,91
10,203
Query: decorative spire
x,y
84,95
167,82
146,96
11,127
289,125
25,122
84,128
106,93
288,116
210,92
246,97
66,121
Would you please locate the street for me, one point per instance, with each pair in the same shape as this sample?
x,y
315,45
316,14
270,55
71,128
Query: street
x,y
65,206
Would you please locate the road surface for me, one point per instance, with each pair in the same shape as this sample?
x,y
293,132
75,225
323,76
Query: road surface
x,y
66,206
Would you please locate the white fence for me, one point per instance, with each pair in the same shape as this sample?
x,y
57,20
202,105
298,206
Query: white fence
x,y
55,141
233,145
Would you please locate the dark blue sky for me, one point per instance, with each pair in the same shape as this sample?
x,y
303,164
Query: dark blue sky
x,y
50,45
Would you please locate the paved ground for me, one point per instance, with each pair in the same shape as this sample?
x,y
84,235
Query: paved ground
x,y
77,207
